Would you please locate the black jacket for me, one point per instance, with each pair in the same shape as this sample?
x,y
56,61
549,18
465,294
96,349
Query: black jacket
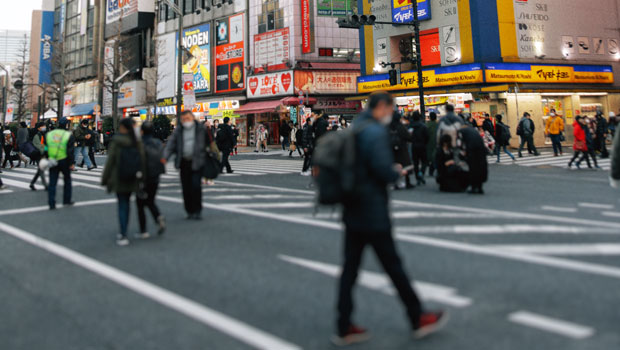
x,y
308,136
420,136
225,138
475,155
154,152
601,125
320,127
401,153
374,162
487,125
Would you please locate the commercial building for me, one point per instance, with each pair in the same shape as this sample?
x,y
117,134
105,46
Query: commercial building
x,y
11,51
500,57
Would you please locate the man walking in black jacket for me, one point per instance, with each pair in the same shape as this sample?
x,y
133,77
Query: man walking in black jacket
x,y
526,130
418,147
225,142
367,223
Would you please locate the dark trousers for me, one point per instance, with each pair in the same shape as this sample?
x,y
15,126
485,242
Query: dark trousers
x,y
419,162
225,162
38,174
150,190
123,211
7,155
91,155
290,152
62,167
531,148
557,144
307,161
383,245
285,142
192,190
601,146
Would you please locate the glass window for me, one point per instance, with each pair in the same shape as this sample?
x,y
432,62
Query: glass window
x,y
188,6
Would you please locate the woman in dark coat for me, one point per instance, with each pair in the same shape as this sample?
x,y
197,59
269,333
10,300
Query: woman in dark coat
x,y
400,136
475,156
451,176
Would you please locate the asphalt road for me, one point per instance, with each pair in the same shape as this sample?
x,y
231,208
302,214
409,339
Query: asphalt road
x,y
533,264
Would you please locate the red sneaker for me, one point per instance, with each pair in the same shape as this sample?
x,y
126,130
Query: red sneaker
x,y
354,335
430,322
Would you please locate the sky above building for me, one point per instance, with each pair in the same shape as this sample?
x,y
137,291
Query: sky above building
x,y
20,14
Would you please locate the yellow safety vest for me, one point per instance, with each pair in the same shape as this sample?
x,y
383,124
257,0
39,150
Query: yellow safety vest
x,y
57,141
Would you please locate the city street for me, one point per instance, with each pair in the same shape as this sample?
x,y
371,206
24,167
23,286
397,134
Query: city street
x,y
532,264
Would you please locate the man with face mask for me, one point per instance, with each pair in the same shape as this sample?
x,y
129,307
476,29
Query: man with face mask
x,y
554,128
367,223
188,144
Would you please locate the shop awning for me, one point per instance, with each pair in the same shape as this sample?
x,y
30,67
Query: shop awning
x,y
83,109
49,114
259,107
294,101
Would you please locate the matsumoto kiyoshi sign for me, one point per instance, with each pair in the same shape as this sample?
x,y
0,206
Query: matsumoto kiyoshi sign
x,y
443,76
196,42
544,73
402,10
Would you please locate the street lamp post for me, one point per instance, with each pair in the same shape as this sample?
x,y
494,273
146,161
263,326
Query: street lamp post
x,y
179,13
6,79
416,26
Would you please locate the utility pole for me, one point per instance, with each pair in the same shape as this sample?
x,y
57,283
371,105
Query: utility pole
x,y
115,82
61,90
416,25
6,80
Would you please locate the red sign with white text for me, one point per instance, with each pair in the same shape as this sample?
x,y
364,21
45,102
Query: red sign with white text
x,y
306,34
430,47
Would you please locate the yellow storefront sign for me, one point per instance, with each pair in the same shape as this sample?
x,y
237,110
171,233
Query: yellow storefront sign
x,y
444,76
555,74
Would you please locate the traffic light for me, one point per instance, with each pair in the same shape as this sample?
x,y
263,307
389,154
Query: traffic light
x,y
394,76
367,20
355,21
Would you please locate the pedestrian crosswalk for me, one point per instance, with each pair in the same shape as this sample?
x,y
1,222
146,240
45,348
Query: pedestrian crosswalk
x,y
547,159
264,166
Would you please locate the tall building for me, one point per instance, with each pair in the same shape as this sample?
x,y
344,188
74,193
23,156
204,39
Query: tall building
x,y
11,44
500,57
40,64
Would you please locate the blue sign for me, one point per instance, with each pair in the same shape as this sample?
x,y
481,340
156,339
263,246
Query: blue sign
x,y
402,10
63,13
45,57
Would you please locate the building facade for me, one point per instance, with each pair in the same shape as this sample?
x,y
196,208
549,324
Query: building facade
x,y
500,57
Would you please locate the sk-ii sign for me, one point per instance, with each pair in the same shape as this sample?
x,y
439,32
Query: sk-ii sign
x,y
402,10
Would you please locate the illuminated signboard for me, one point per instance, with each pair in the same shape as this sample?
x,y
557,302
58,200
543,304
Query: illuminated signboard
x,y
542,73
402,10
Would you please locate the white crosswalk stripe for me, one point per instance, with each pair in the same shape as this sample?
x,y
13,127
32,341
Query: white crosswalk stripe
x,y
546,159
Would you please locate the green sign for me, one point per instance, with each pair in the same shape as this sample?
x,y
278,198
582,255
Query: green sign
x,y
337,8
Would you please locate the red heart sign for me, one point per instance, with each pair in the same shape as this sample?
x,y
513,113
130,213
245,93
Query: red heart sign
x,y
286,81
253,83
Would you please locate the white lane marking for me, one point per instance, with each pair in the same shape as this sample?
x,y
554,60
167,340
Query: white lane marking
x,y
553,325
429,214
46,207
562,249
92,177
214,319
257,196
505,214
381,283
559,209
565,264
15,183
503,229
611,214
596,205
272,205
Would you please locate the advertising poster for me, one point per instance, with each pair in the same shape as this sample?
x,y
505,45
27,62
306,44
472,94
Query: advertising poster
x,y
196,57
272,84
45,58
8,117
116,9
229,54
402,10
326,82
272,49
307,42
337,8
189,98
430,47
67,109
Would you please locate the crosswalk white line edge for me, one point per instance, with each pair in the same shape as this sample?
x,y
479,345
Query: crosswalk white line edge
x,y
553,325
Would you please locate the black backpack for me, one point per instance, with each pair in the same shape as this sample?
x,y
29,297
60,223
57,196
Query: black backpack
x,y
334,165
506,136
153,151
129,164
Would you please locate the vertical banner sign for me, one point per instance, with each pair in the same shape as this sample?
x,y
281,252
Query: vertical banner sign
x,y
45,58
68,102
402,10
229,54
189,97
197,56
63,13
83,16
306,33
9,113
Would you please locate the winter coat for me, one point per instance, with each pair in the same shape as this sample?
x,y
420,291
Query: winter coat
x,y
475,155
400,151
153,153
22,136
487,125
554,125
500,138
615,160
527,127
320,127
420,137
601,125
579,143
80,135
175,146
451,178
39,142
374,170
308,136
431,145
110,178
225,138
